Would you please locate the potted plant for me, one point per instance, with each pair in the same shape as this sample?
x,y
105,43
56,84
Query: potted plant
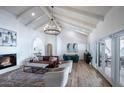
x,y
87,57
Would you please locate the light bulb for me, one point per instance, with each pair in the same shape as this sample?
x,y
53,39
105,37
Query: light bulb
x,y
33,14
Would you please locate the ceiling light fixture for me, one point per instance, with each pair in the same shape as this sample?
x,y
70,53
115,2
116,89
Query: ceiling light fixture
x,y
51,27
33,14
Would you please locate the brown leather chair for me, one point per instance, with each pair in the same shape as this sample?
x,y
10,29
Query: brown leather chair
x,y
53,64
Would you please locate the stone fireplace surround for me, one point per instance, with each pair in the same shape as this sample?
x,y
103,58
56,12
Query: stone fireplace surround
x,y
7,60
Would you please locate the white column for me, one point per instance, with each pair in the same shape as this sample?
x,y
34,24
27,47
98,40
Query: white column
x,y
97,47
115,60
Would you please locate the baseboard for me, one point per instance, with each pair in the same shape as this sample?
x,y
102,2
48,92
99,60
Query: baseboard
x,y
9,69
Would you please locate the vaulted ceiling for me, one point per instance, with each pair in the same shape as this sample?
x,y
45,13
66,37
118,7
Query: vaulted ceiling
x,y
82,19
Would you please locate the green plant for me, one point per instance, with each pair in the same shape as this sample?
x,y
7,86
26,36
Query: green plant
x,y
87,57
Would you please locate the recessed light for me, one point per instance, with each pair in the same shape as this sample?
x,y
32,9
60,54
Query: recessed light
x,y
33,14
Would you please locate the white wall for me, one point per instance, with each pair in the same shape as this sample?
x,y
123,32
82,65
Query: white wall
x,y
113,22
68,36
59,42
25,38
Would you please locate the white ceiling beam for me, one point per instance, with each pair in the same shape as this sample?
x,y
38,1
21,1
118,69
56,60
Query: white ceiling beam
x,y
66,25
74,23
81,32
48,13
35,20
40,25
77,20
82,12
24,12
77,26
77,31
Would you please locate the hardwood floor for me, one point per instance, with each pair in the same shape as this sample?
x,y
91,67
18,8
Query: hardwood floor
x,y
84,75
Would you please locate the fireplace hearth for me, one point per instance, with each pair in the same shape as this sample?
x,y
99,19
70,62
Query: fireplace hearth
x,y
7,60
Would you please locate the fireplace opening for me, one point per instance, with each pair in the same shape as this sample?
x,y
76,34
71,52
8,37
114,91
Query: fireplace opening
x,y
7,60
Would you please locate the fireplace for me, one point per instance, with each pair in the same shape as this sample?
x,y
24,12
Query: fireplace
x,y
7,60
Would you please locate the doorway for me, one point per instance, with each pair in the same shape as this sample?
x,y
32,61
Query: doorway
x,y
49,49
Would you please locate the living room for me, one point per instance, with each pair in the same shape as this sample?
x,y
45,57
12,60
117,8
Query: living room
x,y
30,39
57,55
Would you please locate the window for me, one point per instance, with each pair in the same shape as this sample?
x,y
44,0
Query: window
x,y
104,55
122,60
108,56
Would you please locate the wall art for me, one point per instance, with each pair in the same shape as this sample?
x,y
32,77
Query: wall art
x,y
7,37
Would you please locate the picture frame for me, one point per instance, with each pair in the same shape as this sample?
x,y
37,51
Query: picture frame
x,y
8,37
72,47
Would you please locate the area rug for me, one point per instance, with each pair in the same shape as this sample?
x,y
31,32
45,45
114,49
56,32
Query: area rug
x,y
18,78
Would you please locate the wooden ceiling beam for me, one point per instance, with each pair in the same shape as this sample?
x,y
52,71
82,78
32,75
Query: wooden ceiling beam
x,y
35,20
71,22
72,28
77,20
83,31
40,25
24,12
82,12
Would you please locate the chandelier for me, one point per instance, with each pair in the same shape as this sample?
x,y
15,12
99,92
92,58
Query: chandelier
x,y
51,27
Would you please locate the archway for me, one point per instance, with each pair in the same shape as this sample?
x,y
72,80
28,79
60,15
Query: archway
x,y
49,49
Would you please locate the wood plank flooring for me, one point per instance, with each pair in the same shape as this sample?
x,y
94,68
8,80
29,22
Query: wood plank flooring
x,y
84,75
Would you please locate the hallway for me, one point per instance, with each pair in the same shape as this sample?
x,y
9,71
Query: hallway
x,y
84,75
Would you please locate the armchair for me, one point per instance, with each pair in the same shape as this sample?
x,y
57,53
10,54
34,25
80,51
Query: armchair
x,y
68,63
56,78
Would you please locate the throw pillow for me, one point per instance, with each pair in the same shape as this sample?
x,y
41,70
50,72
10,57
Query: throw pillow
x,y
40,58
52,59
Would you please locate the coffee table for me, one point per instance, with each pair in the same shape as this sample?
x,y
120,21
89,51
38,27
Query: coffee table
x,y
34,66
